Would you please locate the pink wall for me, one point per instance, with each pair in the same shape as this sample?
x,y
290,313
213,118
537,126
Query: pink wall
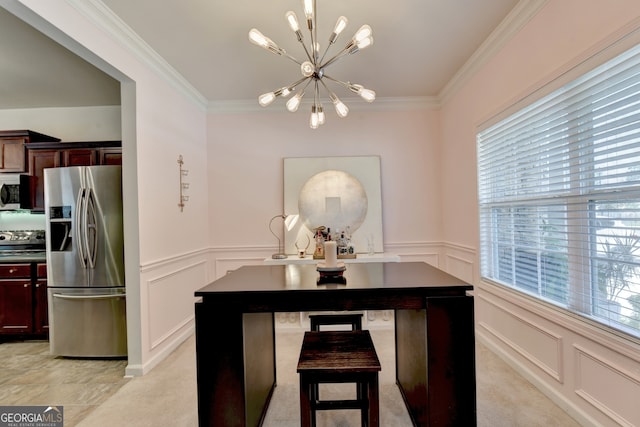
x,y
583,368
246,169
556,37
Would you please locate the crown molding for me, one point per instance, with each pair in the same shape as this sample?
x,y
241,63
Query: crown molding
x,y
524,11
105,19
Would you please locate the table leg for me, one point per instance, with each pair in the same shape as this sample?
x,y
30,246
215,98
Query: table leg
x,y
234,379
435,362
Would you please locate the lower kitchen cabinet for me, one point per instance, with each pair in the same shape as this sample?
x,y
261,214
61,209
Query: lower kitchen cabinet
x,y
16,307
40,304
23,300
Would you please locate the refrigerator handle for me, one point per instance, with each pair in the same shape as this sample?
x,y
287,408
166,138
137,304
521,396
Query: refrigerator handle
x,y
79,225
89,297
91,229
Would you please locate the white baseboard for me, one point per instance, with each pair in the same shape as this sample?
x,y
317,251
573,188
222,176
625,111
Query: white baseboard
x,y
574,411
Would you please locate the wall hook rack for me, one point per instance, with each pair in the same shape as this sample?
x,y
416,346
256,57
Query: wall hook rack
x,y
183,185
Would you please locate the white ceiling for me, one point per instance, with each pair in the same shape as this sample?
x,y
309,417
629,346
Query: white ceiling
x,y
419,47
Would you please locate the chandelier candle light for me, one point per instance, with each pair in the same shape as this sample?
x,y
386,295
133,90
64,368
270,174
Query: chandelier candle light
x,y
313,69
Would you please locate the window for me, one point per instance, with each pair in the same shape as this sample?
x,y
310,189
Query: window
x,y
559,196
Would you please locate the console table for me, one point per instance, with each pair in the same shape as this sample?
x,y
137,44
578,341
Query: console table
x,y
360,258
434,321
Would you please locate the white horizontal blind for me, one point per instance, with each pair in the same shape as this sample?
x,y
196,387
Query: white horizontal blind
x,y
559,193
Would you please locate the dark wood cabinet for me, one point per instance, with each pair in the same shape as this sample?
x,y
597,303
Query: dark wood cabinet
x,y
38,161
79,157
16,299
15,306
41,156
40,304
23,299
12,155
13,145
110,156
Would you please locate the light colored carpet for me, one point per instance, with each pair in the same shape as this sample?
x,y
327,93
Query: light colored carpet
x,y
167,395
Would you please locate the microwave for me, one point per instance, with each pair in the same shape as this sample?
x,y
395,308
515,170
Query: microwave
x,y
17,191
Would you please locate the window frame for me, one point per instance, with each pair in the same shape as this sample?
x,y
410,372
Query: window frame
x,y
580,280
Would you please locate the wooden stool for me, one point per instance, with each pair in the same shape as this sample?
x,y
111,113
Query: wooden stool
x,y
353,319
339,357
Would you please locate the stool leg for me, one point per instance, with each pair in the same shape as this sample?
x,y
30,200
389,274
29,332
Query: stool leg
x,y
305,403
374,403
363,397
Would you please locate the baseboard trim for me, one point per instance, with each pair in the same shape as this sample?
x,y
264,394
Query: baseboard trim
x,y
142,369
574,411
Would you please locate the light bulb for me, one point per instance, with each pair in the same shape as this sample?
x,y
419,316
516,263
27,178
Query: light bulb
x,y
294,102
340,25
314,121
364,43
363,32
257,38
341,109
308,9
321,117
308,13
367,94
266,99
293,21
307,69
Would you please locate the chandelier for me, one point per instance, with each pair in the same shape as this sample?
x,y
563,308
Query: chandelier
x,y
313,70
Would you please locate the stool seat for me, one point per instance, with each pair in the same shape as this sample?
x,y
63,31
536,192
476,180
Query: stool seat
x,y
339,357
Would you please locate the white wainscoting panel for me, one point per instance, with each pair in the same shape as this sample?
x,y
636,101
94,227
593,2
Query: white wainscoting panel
x,y
222,260
169,312
429,252
539,345
596,377
460,261
591,373
459,267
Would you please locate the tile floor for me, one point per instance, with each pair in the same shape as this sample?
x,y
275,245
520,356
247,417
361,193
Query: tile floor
x,y
31,376
94,393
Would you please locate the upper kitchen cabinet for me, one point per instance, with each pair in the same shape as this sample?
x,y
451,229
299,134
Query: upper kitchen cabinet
x,y
13,148
41,156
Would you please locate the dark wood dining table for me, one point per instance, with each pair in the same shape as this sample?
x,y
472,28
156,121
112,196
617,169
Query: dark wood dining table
x,y
434,336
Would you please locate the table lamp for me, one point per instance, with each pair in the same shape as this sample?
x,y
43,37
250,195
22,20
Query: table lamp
x,y
289,222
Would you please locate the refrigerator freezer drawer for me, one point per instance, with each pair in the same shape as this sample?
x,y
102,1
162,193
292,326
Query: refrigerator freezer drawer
x,y
87,324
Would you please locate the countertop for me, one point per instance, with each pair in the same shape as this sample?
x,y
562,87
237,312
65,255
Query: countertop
x,y
17,259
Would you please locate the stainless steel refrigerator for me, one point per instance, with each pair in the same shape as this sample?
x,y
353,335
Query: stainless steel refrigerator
x,y
85,261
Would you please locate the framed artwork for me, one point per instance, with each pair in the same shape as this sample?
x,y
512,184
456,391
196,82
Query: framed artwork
x,y
342,194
